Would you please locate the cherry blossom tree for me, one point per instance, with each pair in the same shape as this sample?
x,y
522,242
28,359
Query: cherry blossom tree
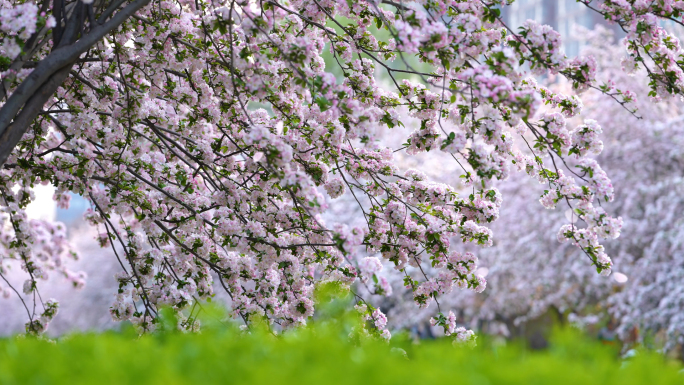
x,y
208,137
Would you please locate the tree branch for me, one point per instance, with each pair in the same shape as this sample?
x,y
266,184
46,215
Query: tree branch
x,y
54,62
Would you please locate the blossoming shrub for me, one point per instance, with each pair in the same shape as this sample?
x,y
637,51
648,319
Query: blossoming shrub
x,y
318,356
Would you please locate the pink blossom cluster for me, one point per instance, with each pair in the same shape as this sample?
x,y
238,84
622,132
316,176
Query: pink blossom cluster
x,y
541,46
570,105
586,138
649,45
17,21
448,322
376,321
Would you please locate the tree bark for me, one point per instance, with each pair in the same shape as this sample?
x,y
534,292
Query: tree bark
x,y
48,75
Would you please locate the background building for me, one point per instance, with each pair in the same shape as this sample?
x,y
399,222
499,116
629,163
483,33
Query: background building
x,y
562,15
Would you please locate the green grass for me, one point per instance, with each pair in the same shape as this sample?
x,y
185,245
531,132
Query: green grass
x,y
318,355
